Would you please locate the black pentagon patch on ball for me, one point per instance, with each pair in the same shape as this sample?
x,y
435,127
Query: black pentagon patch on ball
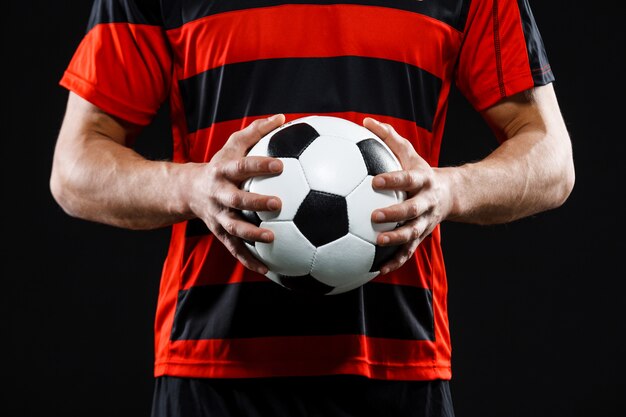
x,y
377,158
305,283
291,141
322,217
382,255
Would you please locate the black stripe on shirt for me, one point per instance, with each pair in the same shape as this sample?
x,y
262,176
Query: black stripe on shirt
x,y
539,65
265,309
176,13
311,85
179,12
146,12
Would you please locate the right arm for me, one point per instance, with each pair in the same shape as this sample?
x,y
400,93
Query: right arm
x,y
96,176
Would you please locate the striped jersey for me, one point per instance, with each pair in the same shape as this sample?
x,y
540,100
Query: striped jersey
x,y
220,64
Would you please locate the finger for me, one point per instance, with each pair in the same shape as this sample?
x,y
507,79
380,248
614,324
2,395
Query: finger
x,y
412,230
401,212
239,250
401,147
401,257
241,169
244,139
382,130
237,199
236,246
242,229
410,180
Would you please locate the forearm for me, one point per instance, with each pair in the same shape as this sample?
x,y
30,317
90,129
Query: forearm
x,y
96,176
110,183
530,172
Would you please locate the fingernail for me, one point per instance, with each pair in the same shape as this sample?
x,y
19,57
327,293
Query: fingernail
x,y
379,182
261,270
384,271
275,166
379,216
384,240
272,118
273,204
266,237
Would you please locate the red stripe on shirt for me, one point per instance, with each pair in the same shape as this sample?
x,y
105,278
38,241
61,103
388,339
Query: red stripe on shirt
x,y
307,355
314,31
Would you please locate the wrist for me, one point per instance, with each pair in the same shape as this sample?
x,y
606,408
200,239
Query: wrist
x,y
187,180
450,180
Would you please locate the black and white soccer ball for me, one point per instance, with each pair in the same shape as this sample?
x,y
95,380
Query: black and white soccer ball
x,y
324,239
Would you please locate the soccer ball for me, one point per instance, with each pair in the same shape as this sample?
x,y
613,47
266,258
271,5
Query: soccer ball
x,y
324,239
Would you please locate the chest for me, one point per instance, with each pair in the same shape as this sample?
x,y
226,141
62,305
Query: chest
x,y
209,34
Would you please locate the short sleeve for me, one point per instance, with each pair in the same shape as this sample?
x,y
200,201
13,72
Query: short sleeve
x,y
122,64
502,52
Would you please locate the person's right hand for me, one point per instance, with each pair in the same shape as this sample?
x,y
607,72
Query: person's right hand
x,y
217,197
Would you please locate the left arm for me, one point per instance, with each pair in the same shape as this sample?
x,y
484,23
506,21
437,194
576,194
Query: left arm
x,y
530,172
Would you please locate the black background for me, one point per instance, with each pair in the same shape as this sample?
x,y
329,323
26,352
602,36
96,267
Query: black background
x,y
536,306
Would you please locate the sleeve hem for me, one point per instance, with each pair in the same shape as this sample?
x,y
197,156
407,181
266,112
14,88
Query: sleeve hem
x,y
108,104
509,88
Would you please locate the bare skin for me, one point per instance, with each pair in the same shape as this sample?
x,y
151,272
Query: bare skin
x,y
530,172
97,176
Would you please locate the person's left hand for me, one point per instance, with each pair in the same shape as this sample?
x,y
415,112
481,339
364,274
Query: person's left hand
x,y
428,197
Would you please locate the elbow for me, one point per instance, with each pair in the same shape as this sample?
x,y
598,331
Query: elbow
x,y
570,181
61,189
564,184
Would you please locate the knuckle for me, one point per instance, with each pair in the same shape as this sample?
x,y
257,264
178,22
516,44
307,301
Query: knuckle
x,y
415,178
256,125
248,235
230,227
232,140
214,170
234,200
399,179
253,163
240,165
406,144
251,203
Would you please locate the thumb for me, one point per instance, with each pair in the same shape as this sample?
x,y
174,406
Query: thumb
x,y
401,147
244,139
